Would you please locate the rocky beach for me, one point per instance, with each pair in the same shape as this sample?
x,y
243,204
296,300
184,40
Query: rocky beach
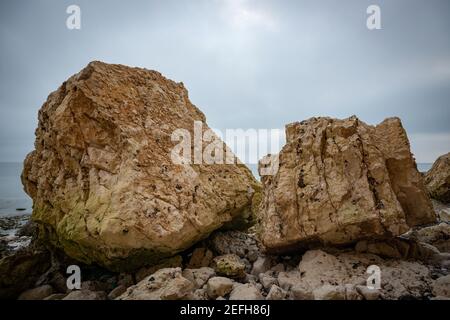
x,y
340,213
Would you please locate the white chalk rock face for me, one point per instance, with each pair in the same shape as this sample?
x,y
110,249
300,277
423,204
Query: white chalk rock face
x,y
339,181
102,176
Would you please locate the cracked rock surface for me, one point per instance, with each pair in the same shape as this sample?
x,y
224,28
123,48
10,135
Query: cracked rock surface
x,y
437,179
340,181
104,186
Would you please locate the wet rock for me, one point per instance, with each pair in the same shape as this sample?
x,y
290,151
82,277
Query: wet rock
x,y
340,181
116,292
58,281
38,293
21,270
4,249
30,229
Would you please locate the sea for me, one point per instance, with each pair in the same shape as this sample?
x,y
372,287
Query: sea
x,y
14,201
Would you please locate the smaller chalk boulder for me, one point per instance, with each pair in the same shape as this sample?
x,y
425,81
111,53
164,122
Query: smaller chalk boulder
x,y
437,179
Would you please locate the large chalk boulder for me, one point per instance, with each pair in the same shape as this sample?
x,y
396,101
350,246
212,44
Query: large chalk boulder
x,y
106,183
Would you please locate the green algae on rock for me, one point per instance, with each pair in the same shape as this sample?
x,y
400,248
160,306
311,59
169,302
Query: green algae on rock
x,y
104,186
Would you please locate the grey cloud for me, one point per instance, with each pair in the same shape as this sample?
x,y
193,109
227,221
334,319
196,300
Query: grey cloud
x,y
246,64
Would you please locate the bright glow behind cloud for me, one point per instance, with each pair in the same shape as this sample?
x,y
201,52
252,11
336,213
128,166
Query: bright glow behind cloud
x,y
244,14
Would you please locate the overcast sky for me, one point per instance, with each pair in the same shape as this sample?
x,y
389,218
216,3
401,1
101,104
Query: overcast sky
x,y
246,64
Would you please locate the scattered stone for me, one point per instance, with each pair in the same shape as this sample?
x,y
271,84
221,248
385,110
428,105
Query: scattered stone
x,y
399,248
440,298
318,267
249,278
288,279
437,179
13,223
351,293
219,287
117,291
58,282
261,265
244,245
384,249
173,262
361,246
199,277
38,293
20,271
329,292
444,215
4,248
56,296
441,287
164,284
278,268
276,293
29,229
399,278
198,294
436,235
368,294
340,181
300,291
245,291
85,295
125,280
267,280
229,265
94,285
201,257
